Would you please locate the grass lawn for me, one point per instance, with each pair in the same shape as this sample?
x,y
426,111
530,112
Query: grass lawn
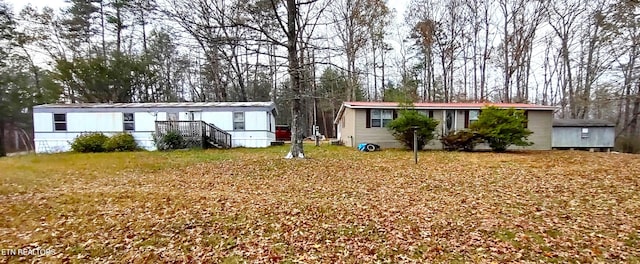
x,y
340,205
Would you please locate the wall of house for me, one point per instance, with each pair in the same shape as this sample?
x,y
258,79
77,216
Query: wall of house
x,y
223,120
539,123
382,136
438,115
259,127
47,140
347,127
572,137
377,135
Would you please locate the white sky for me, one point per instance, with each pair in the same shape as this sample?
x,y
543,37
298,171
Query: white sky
x,y
394,37
398,5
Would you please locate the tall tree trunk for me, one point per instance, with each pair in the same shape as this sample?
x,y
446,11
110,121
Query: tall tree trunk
x,y
294,75
485,56
119,28
633,124
375,76
507,67
384,84
104,43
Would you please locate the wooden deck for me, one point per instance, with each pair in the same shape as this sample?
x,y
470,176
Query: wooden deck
x,y
196,133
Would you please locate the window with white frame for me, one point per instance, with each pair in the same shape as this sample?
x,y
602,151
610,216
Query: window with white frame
x,y
381,117
269,121
60,122
473,116
128,122
238,120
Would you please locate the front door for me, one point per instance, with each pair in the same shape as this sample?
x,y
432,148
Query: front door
x,y
196,128
194,116
449,121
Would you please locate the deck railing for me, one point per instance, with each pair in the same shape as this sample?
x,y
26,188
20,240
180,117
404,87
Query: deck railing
x,y
216,135
196,133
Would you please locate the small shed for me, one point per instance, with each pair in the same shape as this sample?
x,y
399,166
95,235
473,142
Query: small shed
x,y
591,134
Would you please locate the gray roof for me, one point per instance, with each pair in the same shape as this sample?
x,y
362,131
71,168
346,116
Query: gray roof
x,y
160,105
582,123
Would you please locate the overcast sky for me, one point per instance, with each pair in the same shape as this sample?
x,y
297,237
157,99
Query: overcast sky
x,y
395,36
399,5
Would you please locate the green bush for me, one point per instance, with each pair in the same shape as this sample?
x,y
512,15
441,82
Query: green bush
x,y
121,142
501,128
89,142
402,128
170,140
465,140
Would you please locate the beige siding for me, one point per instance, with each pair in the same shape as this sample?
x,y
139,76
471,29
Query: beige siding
x,y
540,123
438,115
376,135
347,133
460,115
355,130
382,136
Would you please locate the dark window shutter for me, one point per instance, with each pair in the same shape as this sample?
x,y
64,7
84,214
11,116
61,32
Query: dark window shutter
x,y
466,118
368,118
526,117
395,114
431,114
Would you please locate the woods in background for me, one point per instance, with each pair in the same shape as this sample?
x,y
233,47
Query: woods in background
x,y
578,55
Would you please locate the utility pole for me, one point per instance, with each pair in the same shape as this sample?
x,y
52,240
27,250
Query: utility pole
x,y
316,129
415,143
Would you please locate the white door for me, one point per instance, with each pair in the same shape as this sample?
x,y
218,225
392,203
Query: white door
x,y
195,116
449,121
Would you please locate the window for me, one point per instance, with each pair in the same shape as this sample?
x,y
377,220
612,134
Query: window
x,y
381,118
473,116
128,122
60,122
269,121
238,120
428,113
585,133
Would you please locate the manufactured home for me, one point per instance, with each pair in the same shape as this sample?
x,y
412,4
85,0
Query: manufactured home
x,y
241,124
359,122
591,134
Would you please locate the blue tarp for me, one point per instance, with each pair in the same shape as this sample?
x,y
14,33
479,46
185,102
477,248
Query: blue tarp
x,y
368,147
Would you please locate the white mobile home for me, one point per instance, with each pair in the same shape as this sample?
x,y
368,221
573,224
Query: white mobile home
x,y
250,124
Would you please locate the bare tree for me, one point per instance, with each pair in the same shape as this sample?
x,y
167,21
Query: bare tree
x,y
521,19
355,20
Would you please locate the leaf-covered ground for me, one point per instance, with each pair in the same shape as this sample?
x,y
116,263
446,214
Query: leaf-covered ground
x,y
338,206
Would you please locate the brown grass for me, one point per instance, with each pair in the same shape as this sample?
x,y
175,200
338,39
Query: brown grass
x,y
339,205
